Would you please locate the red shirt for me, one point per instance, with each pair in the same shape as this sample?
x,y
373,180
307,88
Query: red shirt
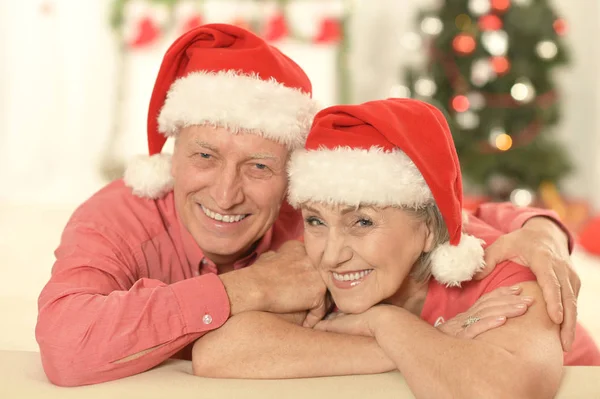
x,y
442,303
129,278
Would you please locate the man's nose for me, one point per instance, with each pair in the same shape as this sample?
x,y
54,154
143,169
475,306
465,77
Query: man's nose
x,y
227,189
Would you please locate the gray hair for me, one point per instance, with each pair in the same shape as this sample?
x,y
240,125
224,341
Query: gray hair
x,y
431,215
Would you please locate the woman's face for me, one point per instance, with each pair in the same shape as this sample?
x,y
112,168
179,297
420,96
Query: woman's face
x,y
364,254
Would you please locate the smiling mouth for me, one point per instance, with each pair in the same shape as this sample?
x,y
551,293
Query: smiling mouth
x,y
223,218
352,276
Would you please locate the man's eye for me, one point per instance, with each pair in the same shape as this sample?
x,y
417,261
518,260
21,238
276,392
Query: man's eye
x,y
364,222
260,166
313,221
204,155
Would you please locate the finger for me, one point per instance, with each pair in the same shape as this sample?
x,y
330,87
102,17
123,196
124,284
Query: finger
x,y
314,316
334,325
488,268
333,315
551,290
500,296
574,280
569,322
501,292
322,325
483,325
317,314
508,310
493,255
500,303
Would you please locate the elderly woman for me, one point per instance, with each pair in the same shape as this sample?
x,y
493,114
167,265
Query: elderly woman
x,y
380,190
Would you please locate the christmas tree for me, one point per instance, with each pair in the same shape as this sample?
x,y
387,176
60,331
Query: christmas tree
x,y
489,66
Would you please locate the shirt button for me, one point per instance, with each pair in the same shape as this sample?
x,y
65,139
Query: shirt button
x,y
207,319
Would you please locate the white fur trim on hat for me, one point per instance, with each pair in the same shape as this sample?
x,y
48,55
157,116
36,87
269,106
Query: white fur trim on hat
x,y
353,177
239,103
149,176
453,264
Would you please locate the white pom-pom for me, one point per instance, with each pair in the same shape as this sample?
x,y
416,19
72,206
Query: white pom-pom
x,y
453,264
149,176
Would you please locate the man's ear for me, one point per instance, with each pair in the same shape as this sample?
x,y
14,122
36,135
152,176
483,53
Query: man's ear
x,y
174,156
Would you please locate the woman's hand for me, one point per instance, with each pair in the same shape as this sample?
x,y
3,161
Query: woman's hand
x,y
542,246
353,324
489,312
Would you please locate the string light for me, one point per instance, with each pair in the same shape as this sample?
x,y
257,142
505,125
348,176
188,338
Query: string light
x,y
501,65
500,5
464,44
432,26
546,49
476,100
495,42
479,7
521,197
490,22
463,22
503,142
482,72
460,103
425,87
560,26
467,120
499,139
522,91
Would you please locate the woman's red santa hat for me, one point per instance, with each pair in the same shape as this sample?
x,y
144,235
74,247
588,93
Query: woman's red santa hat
x,y
223,76
396,152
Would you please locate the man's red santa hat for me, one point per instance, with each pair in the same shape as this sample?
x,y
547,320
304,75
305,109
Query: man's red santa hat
x,y
223,76
396,152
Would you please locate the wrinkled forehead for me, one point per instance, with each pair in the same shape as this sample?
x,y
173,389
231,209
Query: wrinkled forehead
x,y
222,141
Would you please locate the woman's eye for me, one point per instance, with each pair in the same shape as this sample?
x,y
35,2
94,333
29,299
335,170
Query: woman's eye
x,y
313,221
364,222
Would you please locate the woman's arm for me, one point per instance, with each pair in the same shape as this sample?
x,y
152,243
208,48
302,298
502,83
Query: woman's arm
x,y
521,359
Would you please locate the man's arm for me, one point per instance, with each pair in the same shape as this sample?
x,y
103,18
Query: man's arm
x,y
508,217
97,322
263,345
536,238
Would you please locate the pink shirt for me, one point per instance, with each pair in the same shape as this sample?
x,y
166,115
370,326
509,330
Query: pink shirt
x,y
128,277
444,303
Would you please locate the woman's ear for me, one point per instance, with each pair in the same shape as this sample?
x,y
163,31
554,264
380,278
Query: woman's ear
x,y
429,238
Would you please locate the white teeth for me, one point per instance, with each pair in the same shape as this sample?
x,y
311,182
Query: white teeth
x,y
351,276
219,217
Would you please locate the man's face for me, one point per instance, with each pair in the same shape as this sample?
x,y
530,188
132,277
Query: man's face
x,y
228,188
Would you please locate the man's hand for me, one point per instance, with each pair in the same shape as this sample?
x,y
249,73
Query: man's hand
x,y
542,246
279,282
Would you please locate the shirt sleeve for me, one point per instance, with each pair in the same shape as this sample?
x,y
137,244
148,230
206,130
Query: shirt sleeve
x,y
94,312
507,274
507,217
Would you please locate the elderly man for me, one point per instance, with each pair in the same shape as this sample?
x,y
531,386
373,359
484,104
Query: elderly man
x,y
185,245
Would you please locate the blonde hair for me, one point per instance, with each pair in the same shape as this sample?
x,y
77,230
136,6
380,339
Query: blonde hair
x,y
431,215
